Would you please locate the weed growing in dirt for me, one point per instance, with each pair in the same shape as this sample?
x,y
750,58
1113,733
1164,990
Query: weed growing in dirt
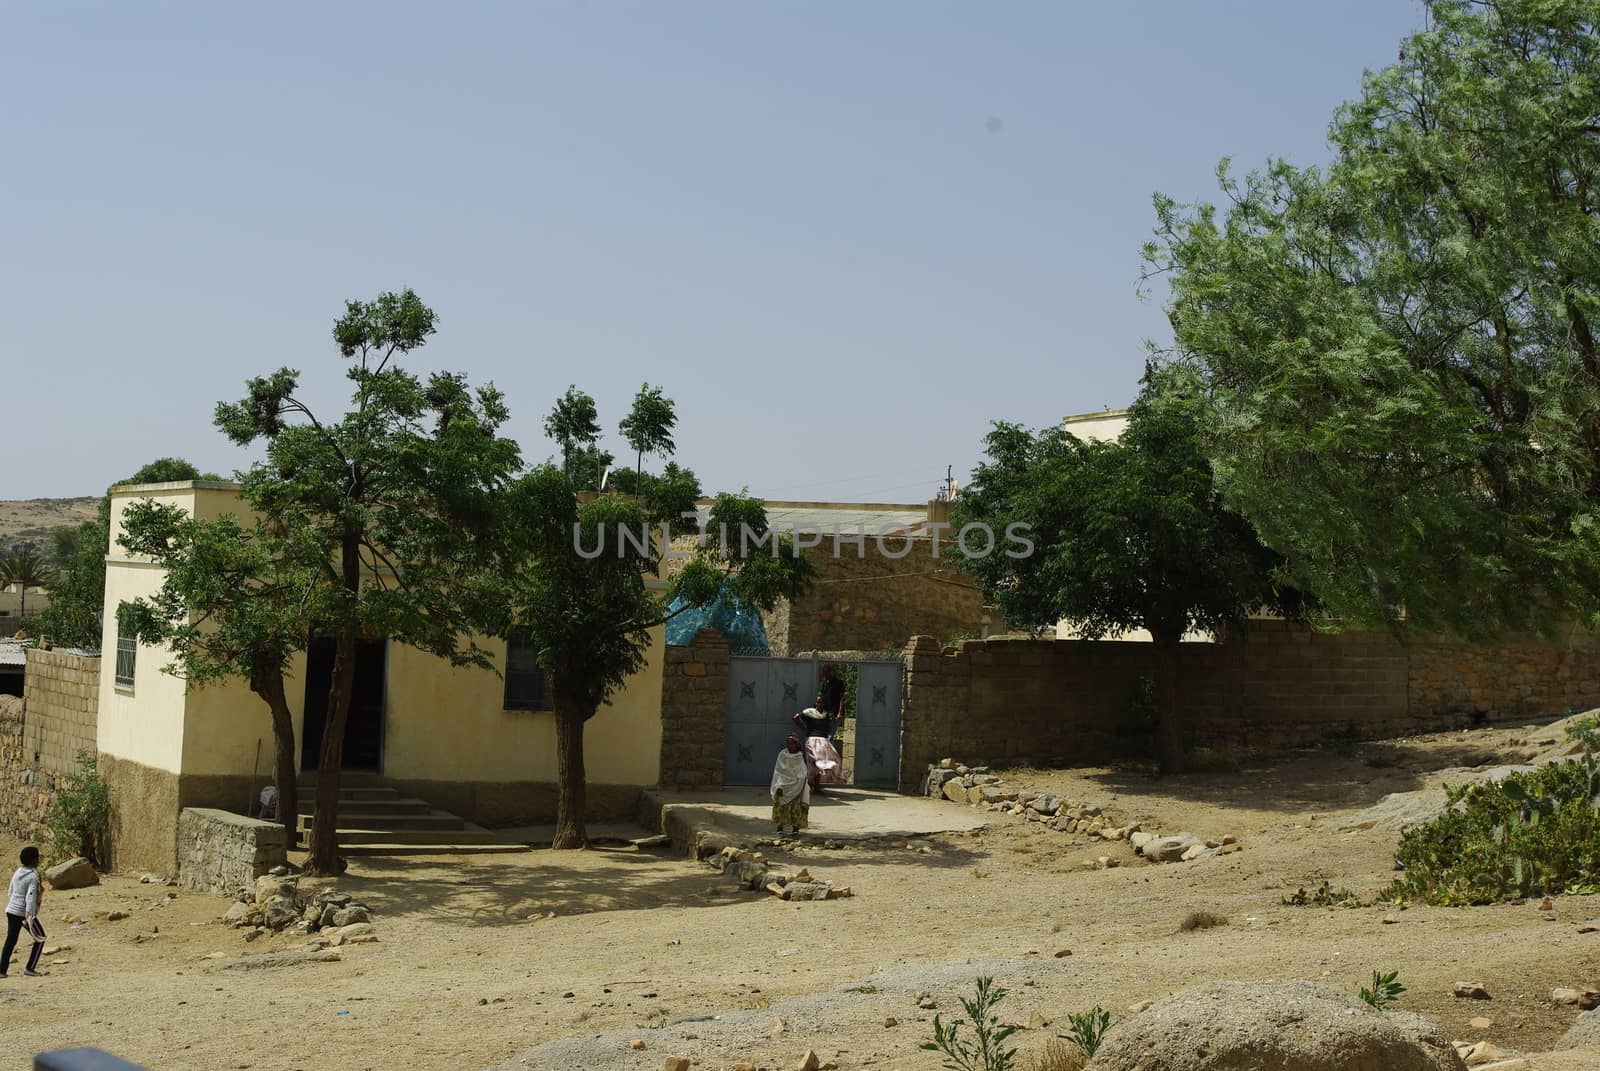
x,y
864,989
1324,895
1385,990
1057,1055
1586,731
1200,920
79,818
987,1051
755,1001
1087,1029
979,873
1527,834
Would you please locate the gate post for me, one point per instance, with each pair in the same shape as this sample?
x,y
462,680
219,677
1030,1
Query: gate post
x,y
694,691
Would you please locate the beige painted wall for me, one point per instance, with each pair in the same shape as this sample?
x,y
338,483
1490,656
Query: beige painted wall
x,y
441,723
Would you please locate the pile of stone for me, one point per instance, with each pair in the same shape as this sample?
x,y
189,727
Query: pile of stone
x,y
752,870
978,786
275,905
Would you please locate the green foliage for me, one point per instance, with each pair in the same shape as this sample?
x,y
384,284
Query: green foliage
x,y
1126,535
27,569
574,424
1586,731
79,819
1087,1029
77,596
648,426
1384,992
986,1051
585,581
1400,350
1324,895
1535,833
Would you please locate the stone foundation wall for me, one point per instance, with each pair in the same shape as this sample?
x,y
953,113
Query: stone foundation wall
x,y
1274,685
26,787
62,691
220,853
694,690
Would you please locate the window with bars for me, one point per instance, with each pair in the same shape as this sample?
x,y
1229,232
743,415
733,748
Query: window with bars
x,y
524,676
127,654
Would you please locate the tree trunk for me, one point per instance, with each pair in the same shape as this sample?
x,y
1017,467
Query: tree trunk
x,y
270,688
1169,724
571,781
330,761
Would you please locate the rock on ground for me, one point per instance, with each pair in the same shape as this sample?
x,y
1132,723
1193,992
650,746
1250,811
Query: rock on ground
x,y
280,959
1291,1024
1584,1033
75,873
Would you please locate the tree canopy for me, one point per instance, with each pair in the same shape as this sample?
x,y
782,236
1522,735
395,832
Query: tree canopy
x,y
1399,349
1125,535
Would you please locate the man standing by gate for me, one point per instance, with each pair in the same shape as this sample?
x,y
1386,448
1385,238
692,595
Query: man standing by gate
x,y
830,700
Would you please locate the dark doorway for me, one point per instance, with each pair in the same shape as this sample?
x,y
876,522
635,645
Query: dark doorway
x,y
363,731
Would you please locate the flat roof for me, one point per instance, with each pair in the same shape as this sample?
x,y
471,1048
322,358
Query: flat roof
x,y
174,485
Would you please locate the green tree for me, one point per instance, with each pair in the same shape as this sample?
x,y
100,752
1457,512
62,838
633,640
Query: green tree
x,y
648,426
77,597
26,569
235,602
1399,349
574,424
1125,535
390,506
587,590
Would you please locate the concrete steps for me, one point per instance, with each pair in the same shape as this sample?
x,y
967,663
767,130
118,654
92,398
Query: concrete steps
x,y
375,819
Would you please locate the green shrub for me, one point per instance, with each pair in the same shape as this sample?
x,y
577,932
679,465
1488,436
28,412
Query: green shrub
x,y
1535,833
1385,990
987,1051
1324,895
79,819
1087,1029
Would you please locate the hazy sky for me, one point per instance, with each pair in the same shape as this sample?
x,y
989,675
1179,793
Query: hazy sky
x,y
843,236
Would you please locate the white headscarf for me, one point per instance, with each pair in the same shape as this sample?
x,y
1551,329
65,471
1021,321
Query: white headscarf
x,y
789,777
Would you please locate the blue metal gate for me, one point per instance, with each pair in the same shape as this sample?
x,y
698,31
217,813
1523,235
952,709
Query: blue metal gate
x,y
764,695
877,737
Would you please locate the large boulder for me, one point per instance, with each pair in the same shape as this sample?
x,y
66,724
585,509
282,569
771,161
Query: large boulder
x,y
1585,1033
75,873
1170,849
1284,1025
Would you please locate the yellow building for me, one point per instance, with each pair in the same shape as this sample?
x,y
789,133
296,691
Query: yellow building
x,y
476,743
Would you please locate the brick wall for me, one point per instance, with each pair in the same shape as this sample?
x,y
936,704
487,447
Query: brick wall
x,y
1275,685
62,692
694,688
872,602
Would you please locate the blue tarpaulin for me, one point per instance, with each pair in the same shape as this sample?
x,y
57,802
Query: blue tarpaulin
x,y
740,624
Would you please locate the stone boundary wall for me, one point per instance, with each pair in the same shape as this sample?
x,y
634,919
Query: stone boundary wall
x,y
62,693
1274,685
221,853
26,787
694,690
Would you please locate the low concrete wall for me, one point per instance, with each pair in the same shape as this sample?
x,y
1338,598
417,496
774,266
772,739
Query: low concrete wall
x,y
694,691
220,853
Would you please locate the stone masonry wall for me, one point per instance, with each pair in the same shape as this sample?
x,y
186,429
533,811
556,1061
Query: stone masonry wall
x,y
872,602
1275,685
220,853
62,691
694,688
25,786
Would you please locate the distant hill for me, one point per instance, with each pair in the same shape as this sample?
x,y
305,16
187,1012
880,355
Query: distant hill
x,y
27,522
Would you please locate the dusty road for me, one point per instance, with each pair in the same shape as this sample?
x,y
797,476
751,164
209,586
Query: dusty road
x,y
462,979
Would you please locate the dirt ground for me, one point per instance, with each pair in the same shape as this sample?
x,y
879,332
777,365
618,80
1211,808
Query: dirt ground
x,y
653,947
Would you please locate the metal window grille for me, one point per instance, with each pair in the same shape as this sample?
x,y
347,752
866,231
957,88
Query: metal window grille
x,y
127,654
524,676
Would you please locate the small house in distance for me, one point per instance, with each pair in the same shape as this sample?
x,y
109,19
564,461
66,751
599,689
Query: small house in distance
x,y
477,744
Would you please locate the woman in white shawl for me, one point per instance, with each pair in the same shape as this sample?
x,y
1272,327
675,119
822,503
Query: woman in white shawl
x,y
791,788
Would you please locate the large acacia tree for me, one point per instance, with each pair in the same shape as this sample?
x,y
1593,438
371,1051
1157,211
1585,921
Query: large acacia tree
x,y
589,586
388,509
1400,348
1125,535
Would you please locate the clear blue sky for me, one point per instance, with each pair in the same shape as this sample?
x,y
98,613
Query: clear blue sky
x,y
843,236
